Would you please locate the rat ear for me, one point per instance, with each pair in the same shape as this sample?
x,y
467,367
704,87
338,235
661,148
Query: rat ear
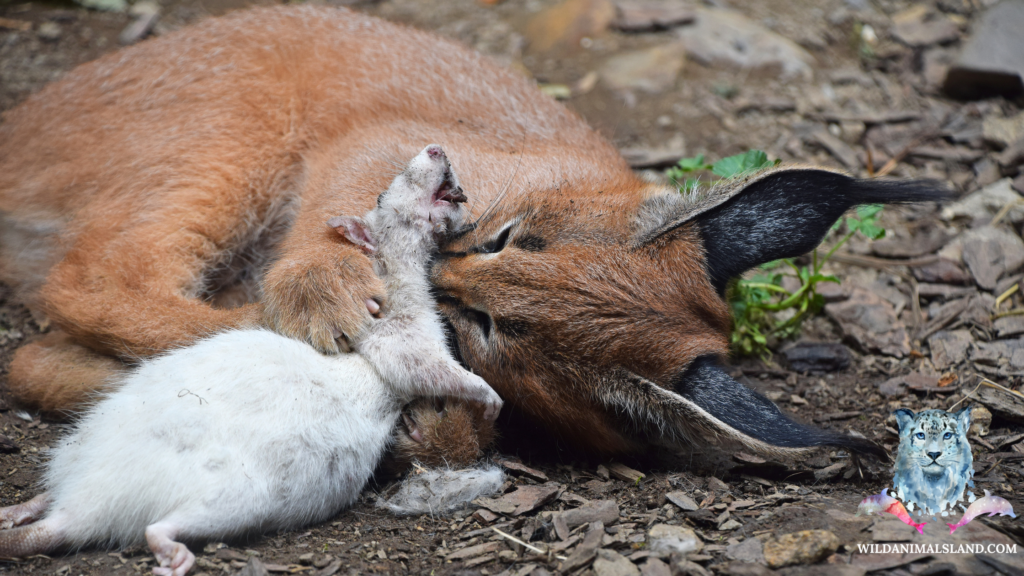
x,y
904,416
356,231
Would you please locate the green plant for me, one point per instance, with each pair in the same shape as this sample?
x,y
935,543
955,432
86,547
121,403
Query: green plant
x,y
762,308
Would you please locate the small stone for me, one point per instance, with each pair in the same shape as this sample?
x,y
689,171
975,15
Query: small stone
x,y
652,70
990,62
920,26
871,322
1009,326
918,245
655,567
981,421
729,525
665,539
943,271
804,547
991,252
49,31
949,348
750,550
640,16
717,485
7,446
306,559
891,531
839,149
817,357
602,472
893,387
609,563
1003,131
254,567
726,36
565,25
746,569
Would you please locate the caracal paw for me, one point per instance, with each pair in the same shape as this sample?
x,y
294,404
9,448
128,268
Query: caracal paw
x,y
327,306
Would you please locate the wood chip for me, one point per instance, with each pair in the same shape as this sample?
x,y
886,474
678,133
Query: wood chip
x,y
20,25
681,500
474,551
517,468
584,553
623,472
524,499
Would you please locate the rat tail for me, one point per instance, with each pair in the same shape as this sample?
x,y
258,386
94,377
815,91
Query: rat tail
x,y
37,538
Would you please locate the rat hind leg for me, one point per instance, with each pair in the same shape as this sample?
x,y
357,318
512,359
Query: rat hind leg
x,y
25,513
174,557
38,538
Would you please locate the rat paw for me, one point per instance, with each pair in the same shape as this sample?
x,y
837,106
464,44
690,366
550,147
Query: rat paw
x,y
328,306
476,389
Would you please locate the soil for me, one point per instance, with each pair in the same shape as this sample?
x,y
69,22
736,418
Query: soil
x,y
711,110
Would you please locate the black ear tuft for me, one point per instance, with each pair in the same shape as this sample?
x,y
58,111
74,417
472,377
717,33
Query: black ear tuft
x,y
787,213
705,407
708,386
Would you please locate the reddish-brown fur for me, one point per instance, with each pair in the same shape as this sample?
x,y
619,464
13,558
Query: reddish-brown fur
x,y
162,163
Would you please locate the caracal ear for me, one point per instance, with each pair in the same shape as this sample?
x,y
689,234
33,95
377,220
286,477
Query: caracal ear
x,y
706,406
780,212
356,231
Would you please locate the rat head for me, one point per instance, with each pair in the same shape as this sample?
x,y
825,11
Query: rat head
x,y
440,432
426,196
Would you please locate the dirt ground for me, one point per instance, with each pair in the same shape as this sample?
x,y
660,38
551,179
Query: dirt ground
x,y
830,116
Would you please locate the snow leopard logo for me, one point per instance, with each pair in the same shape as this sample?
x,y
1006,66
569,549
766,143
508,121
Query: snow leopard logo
x,y
934,462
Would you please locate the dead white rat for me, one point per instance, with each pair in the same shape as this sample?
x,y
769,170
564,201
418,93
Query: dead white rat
x,y
249,431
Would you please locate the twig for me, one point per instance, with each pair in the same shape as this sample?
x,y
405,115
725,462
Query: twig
x,y
524,544
895,160
1014,312
1004,211
1010,292
883,263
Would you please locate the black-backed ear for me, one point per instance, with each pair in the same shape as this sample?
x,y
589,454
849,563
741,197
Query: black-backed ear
x,y
904,418
780,213
705,406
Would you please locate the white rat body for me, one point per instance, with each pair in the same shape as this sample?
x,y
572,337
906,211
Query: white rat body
x,y
249,431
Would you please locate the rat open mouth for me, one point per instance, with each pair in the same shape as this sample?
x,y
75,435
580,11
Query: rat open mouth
x,y
448,191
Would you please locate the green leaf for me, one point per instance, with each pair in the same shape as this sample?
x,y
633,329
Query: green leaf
x,y
693,164
741,164
869,210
